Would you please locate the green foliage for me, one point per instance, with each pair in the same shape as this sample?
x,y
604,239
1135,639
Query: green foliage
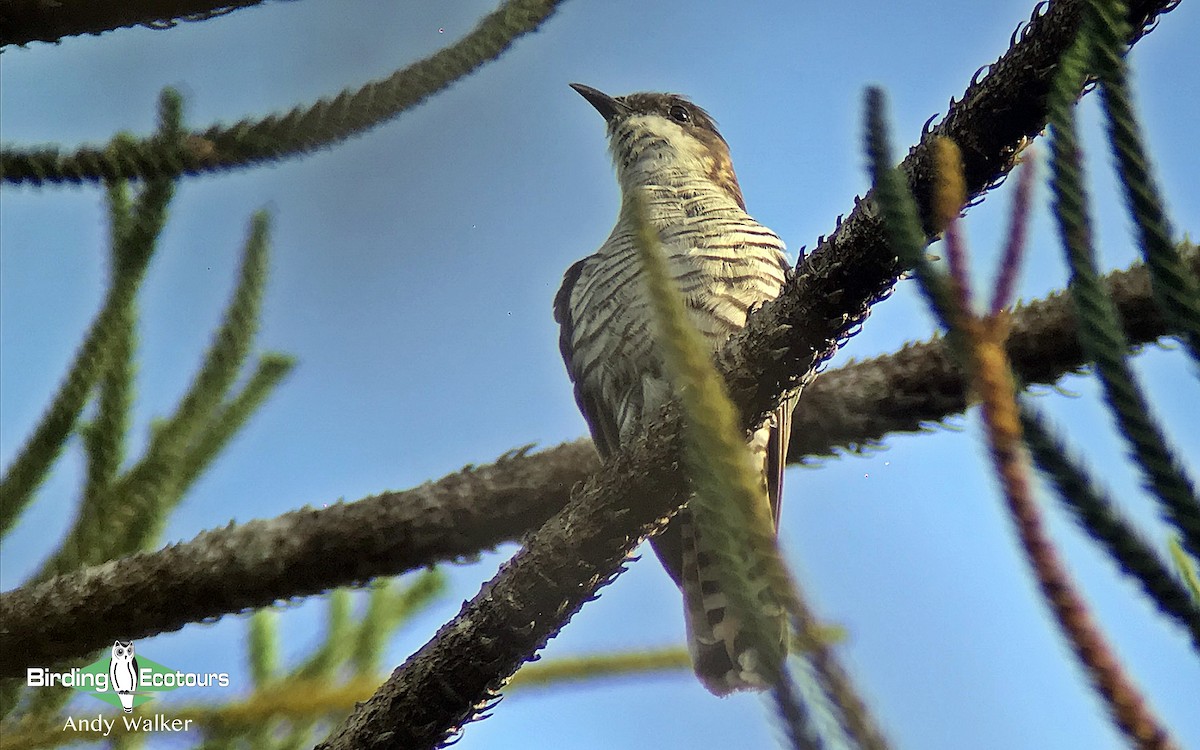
x,y
1100,332
287,707
1187,569
1078,490
302,130
729,505
1100,45
347,661
262,646
1102,519
121,510
154,485
231,415
389,607
134,231
123,507
1175,288
902,221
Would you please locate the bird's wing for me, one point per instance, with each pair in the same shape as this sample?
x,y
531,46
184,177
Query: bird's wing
x,y
601,420
777,448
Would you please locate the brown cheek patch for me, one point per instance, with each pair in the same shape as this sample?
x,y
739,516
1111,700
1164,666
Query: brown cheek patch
x,y
722,166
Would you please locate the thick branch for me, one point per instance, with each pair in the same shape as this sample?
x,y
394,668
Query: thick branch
x,y
303,129
308,551
27,21
58,600
860,403
459,672
303,552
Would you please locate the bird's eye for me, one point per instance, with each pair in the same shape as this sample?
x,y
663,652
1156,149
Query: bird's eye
x,y
680,113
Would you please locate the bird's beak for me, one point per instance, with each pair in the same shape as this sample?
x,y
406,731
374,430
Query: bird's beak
x,y
604,104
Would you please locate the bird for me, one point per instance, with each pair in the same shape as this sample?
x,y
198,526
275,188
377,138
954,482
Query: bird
x,y
669,155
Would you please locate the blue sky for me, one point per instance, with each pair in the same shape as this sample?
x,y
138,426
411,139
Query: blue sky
x,y
412,274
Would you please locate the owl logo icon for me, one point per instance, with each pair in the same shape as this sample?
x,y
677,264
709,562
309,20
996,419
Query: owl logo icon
x,y
123,673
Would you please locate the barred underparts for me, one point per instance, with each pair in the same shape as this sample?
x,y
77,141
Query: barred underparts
x,y
668,152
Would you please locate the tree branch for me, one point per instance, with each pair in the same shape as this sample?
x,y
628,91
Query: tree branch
x,y
307,551
302,130
302,552
858,404
455,676
27,21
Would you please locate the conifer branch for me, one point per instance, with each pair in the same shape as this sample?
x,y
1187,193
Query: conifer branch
x,y
302,130
977,342
301,553
1175,288
852,408
134,235
229,418
457,674
728,504
1100,332
845,410
153,486
28,21
1101,517
1005,106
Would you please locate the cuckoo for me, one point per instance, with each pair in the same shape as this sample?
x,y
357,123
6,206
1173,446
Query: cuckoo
x,y
668,151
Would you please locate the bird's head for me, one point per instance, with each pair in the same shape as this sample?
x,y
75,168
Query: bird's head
x,y
651,133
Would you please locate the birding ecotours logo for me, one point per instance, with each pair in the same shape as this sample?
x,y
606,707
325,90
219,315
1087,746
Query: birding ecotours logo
x,y
123,674
123,678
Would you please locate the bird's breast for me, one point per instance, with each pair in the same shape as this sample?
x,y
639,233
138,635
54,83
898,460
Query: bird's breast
x,y
724,264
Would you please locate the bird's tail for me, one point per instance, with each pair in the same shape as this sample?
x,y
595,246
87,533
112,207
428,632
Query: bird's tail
x,y
722,654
